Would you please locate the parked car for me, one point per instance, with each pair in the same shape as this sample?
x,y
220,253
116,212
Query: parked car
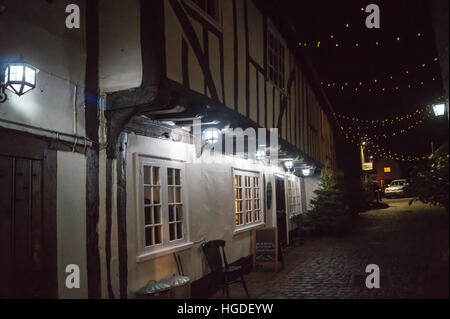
x,y
397,188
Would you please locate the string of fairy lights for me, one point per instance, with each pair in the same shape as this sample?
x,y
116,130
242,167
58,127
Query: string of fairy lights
x,y
384,83
374,132
420,112
356,130
376,150
332,40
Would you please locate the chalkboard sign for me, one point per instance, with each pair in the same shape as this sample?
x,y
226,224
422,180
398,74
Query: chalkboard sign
x,y
265,246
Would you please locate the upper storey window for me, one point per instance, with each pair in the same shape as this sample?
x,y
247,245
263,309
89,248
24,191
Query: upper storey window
x,y
276,63
210,7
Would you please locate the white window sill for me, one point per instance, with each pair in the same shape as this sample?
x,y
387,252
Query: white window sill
x,y
247,228
161,252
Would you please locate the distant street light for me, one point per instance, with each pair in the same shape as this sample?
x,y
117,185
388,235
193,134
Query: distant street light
x,y
439,109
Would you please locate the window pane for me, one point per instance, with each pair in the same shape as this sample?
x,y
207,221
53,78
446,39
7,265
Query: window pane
x,y
147,195
171,213
172,232
158,235
155,175
170,194
147,215
157,215
179,212
178,194
156,195
177,177
179,230
147,175
148,236
170,176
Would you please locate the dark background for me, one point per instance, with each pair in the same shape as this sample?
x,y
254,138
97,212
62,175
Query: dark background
x,y
311,21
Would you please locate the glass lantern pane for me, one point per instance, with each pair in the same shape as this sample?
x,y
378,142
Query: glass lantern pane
x,y
16,88
30,75
16,73
26,88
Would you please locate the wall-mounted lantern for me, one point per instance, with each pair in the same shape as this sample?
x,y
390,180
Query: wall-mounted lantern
x,y
261,154
439,109
19,78
211,135
288,165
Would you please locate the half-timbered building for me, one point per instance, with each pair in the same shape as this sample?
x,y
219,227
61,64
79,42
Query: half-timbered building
x,y
106,171
225,63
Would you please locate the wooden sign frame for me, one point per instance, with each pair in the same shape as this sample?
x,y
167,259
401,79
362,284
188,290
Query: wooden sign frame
x,y
275,262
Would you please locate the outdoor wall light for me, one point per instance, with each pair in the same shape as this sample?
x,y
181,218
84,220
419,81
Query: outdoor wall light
x,y
439,109
19,78
211,135
306,171
288,165
260,155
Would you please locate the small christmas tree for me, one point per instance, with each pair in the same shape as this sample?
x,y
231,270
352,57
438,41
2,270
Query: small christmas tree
x,y
329,211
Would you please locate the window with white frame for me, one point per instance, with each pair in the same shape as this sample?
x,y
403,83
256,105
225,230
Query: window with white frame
x,y
162,207
294,196
209,7
276,62
247,193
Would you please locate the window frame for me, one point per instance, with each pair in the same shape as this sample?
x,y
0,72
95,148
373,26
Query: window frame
x,y
254,223
166,246
279,40
215,22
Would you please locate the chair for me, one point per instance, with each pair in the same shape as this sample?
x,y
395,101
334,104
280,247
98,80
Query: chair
x,y
222,273
302,229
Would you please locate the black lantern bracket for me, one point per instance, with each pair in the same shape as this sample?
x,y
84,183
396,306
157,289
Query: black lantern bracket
x,y
3,96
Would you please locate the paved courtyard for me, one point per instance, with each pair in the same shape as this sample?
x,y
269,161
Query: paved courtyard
x,y
408,243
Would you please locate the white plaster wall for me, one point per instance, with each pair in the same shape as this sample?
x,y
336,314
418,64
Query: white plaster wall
x,y
29,35
120,62
211,212
71,221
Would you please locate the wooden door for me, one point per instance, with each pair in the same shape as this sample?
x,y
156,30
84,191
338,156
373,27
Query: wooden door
x,y
27,244
281,210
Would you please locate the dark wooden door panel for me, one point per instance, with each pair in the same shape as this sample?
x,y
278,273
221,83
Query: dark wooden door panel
x,y
6,223
21,228
22,249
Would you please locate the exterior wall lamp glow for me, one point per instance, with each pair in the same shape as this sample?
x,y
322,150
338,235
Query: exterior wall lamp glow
x,y
439,109
288,165
19,78
211,135
260,154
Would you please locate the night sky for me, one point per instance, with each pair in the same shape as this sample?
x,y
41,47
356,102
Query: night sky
x,y
359,59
